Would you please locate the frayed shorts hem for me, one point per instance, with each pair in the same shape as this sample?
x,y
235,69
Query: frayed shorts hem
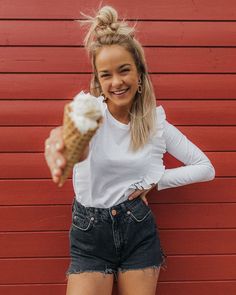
x,y
115,272
104,272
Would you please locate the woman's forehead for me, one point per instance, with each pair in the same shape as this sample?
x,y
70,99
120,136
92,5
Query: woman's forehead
x,y
113,56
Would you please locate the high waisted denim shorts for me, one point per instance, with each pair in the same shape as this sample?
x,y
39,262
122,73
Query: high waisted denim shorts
x,y
108,240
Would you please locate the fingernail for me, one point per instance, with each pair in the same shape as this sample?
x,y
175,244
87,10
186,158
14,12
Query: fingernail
x,y
130,198
57,145
58,162
54,178
54,171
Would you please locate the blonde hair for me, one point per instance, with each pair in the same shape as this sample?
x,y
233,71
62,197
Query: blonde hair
x,y
105,29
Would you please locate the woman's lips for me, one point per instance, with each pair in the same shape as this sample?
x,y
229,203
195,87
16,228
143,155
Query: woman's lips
x,y
120,92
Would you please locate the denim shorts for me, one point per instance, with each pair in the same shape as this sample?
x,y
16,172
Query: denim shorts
x,y
108,240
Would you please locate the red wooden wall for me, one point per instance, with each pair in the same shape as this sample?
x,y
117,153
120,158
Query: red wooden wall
x,y
190,48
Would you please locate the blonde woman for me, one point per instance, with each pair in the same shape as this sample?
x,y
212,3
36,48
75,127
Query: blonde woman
x,y
113,233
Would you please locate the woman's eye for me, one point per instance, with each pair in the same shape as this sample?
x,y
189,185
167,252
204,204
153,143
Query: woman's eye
x,y
104,75
125,70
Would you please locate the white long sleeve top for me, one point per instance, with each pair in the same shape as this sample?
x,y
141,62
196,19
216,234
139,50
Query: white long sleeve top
x,y
111,172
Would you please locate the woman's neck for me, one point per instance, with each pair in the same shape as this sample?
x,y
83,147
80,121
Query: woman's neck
x,y
120,113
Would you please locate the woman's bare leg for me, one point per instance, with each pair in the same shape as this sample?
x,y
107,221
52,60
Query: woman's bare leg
x,y
138,282
89,283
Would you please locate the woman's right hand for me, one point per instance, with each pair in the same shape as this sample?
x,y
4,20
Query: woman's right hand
x,y
54,146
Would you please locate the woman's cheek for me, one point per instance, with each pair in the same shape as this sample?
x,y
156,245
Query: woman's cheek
x,y
105,89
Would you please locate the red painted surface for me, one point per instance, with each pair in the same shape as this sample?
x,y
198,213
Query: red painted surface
x,y
162,9
74,60
44,192
31,138
167,86
191,56
168,33
50,112
35,167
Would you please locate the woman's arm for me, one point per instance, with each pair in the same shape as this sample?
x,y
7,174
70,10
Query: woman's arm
x,y
198,167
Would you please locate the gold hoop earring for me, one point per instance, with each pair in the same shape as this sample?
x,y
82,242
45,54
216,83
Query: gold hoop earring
x,y
102,94
140,87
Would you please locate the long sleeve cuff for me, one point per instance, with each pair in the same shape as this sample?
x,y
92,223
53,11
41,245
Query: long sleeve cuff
x,y
186,175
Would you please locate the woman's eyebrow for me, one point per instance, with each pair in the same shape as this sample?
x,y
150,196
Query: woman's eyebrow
x,y
124,65
120,67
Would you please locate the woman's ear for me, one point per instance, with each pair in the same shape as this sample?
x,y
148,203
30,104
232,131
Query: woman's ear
x,y
96,83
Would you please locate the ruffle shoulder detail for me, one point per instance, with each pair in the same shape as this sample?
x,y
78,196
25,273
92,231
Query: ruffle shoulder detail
x,y
161,117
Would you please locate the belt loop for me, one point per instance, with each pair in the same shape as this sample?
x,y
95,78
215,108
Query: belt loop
x,y
96,213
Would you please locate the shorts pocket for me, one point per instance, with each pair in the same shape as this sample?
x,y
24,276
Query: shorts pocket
x,y
81,222
140,212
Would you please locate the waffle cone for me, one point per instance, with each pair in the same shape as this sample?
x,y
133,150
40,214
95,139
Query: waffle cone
x,y
75,144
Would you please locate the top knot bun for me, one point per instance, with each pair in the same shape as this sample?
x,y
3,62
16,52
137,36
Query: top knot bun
x,y
105,24
106,21
107,16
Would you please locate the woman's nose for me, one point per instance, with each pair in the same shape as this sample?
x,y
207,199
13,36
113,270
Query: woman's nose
x,y
116,81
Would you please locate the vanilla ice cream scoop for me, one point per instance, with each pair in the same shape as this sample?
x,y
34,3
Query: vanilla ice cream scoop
x,y
85,111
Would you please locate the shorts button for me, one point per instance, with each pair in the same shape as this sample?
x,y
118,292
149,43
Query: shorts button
x,y
128,212
113,212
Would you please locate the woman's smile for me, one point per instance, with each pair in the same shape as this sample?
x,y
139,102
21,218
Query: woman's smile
x,y
120,92
118,77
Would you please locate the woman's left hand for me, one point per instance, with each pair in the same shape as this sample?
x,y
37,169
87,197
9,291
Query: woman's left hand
x,y
141,193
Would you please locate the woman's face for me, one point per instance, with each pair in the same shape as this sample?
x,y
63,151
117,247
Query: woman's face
x,y
117,75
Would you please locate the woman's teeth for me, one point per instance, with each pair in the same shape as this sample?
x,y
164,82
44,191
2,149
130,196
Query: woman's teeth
x,y
120,92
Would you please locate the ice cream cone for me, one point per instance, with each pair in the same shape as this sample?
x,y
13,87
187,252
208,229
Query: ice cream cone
x,y
75,143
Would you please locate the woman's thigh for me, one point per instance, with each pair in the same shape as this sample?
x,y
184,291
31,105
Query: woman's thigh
x,y
138,282
89,283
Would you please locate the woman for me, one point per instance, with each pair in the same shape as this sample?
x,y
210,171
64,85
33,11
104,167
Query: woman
x,y
113,230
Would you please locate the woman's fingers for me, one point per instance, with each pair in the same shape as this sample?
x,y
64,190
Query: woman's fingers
x,y
141,193
136,194
56,138
144,199
54,146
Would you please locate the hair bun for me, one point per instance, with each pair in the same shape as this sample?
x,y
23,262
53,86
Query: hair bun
x,y
106,21
107,15
105,24
115,26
